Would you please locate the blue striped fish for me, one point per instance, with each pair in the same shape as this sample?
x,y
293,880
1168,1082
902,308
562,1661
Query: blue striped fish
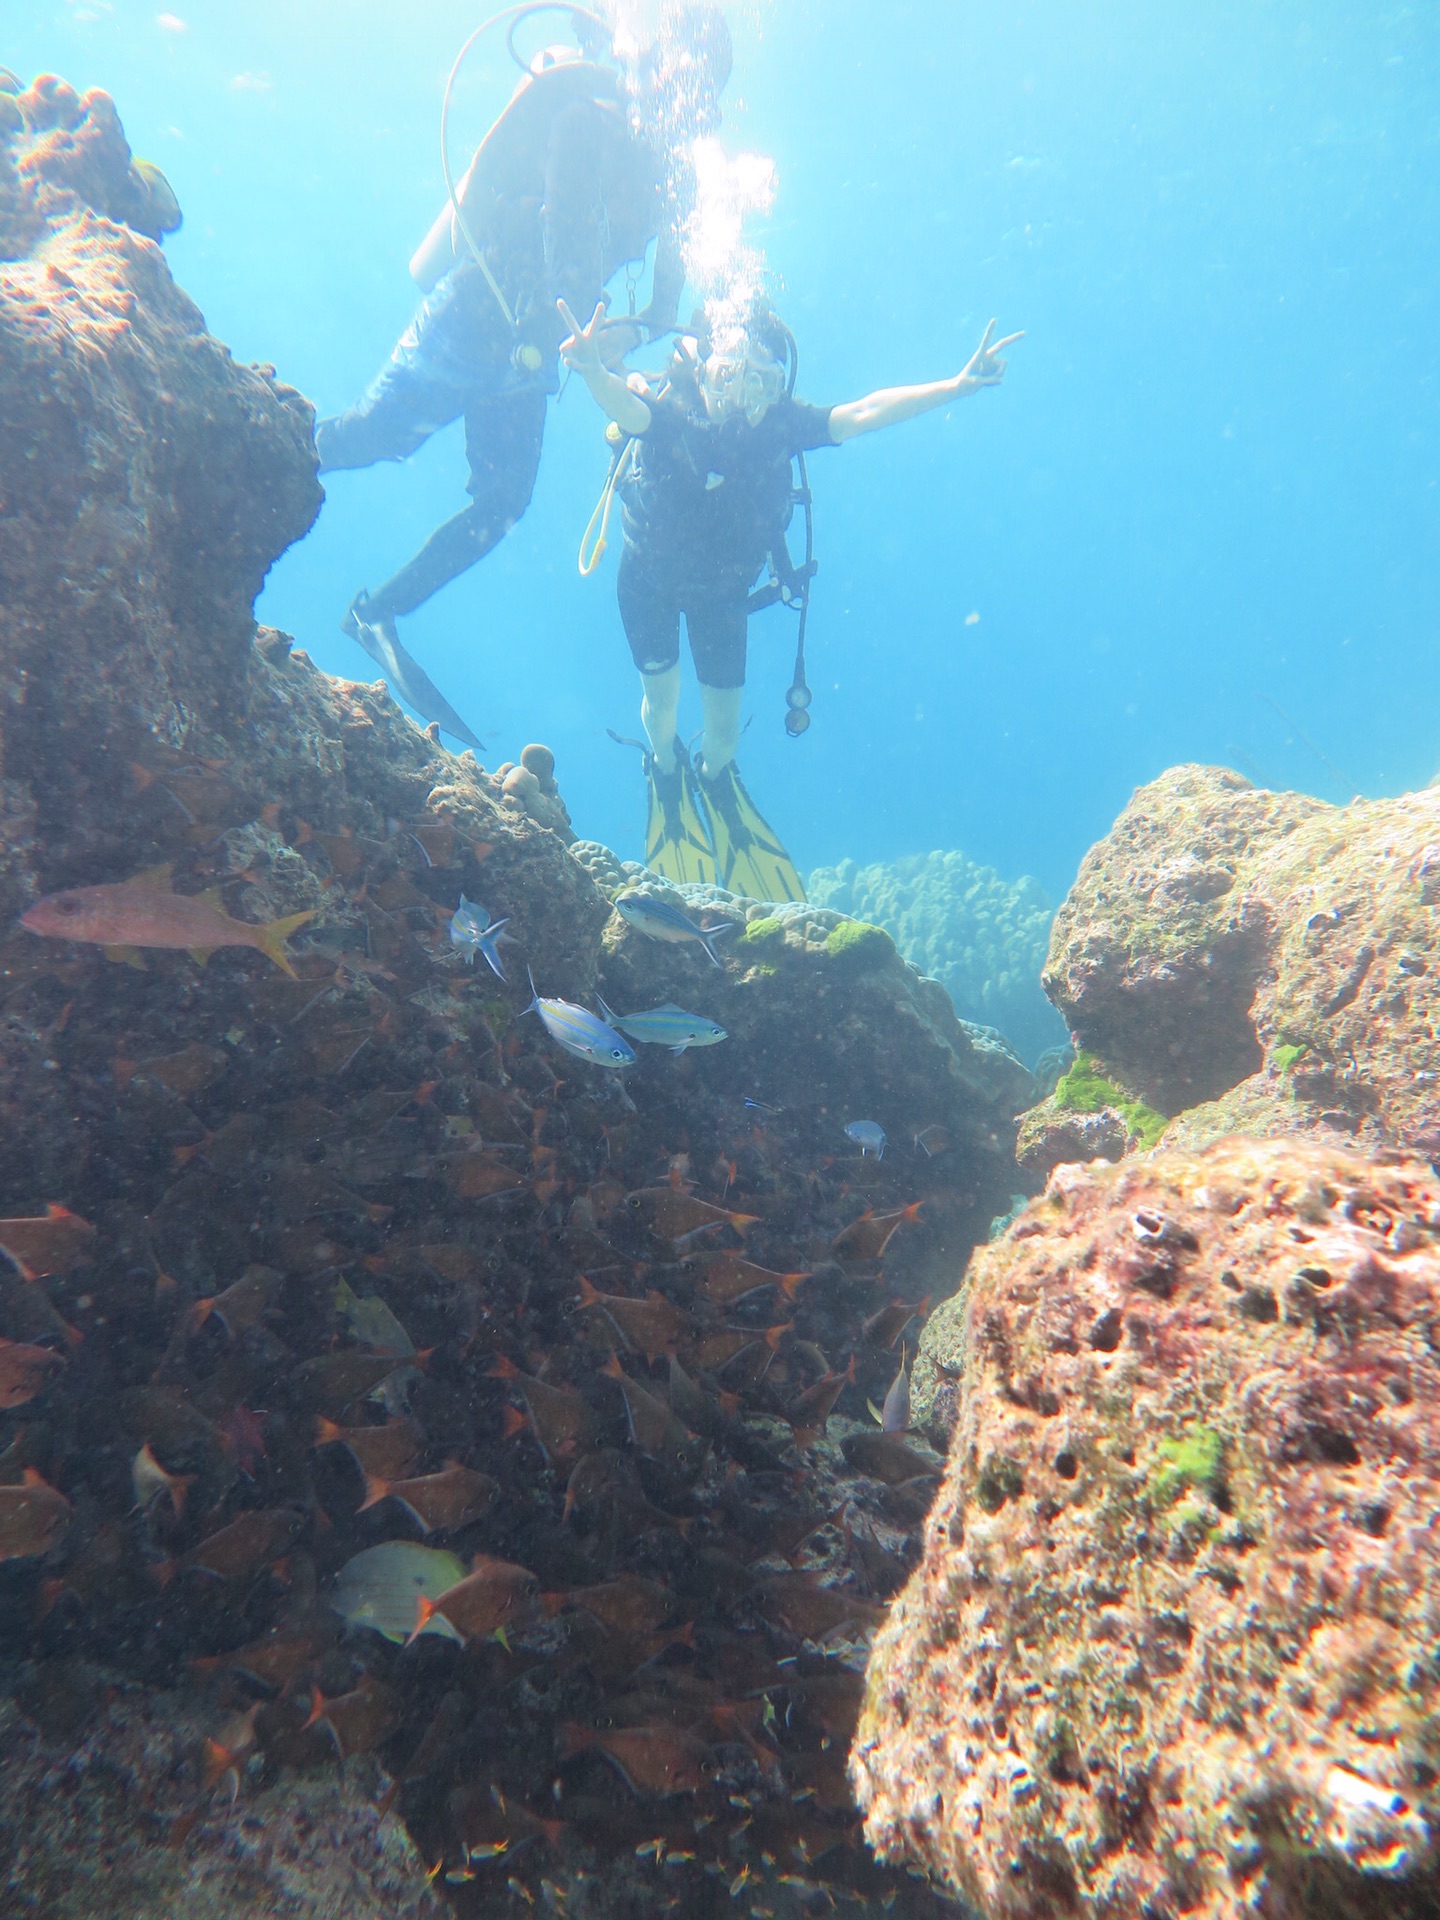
x,y
667,1026
581,1032
661,921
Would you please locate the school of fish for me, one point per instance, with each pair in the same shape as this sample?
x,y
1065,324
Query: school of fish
x,y
426,1378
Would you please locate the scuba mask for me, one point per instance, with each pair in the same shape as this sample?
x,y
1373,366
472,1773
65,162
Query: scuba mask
x,y
746,381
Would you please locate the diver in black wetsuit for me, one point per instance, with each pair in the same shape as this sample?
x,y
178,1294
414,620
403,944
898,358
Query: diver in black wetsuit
x,y
582,171
706,492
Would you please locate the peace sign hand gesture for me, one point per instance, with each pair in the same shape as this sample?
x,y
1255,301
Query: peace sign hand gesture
x,y
985,368
581,351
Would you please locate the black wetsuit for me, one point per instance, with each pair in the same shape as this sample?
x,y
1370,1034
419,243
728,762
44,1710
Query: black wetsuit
x,y
571,195
703,509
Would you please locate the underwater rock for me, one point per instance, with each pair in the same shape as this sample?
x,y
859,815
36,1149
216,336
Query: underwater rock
x,y
1234,959
828,1023
983,938
1171,1646
149,481
300,1247
86,1828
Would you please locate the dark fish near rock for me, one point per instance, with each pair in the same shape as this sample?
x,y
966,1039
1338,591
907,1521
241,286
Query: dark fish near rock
x,y
33,1518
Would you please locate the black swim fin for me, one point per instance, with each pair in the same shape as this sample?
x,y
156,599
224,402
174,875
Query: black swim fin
x,y
408,679
677,839
751,858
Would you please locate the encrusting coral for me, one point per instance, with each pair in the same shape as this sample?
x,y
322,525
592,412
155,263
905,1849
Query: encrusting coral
x,y
983,938
1172,1647
1245,961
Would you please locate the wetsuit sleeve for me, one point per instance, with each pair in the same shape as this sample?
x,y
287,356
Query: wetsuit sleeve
x,y
809,427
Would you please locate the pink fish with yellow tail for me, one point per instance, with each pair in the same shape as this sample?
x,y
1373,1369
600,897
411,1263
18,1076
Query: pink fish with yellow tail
x,y
145,912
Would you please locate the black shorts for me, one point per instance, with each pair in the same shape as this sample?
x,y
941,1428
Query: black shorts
x,y
715,621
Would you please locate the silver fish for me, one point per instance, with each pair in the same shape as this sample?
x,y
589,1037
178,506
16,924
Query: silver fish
x,y
581,1032
895,1414
661,921
869,1136
470,932
667,1026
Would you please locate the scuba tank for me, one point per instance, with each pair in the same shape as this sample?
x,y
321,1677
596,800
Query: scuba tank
x,y
549,82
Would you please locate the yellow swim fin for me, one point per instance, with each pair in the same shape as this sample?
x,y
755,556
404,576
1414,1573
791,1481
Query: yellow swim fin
x,y
677,844
751,857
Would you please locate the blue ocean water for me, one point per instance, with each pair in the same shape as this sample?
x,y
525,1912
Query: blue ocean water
x,y
1201,519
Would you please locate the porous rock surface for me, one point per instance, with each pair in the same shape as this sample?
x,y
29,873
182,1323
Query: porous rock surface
x,y
1171,1648
101,1824
1242,960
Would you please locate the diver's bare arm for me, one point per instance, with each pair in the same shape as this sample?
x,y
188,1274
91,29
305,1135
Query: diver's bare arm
x,y
610,392
890,405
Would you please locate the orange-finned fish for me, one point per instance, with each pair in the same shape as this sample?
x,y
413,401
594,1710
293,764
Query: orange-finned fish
x,y
652,1325
885,1327
653,1427
728,1278
356,1721
386,1453
238,1552
275,1661
151,1483
51,1242
811,1611
223,1756
480,1604
868,1237
652,1761
558,1418
809,1413
672,1215
144,912
451,1498
33,1516
24,1372
626,1604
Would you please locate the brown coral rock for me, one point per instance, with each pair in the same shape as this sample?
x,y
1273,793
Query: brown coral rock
x,y
147,481
1171,1649
1256,961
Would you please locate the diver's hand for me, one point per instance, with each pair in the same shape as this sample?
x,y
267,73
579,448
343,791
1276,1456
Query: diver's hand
x,y
985,368
581,352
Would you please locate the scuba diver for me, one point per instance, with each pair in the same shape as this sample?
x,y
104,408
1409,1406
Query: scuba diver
x,y
586,166
704,479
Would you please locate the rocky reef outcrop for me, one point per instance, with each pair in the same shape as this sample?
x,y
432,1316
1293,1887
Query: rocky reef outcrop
x,y
1235,960
300,1260
88,1815
982,937
1171,1650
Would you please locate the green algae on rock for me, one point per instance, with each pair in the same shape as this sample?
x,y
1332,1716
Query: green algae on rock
x,y
858,942
1213,1596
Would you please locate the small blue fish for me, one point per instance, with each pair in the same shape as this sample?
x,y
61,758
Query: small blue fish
x,y
469,932
581,1032
667,1026
661,921
869,1136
